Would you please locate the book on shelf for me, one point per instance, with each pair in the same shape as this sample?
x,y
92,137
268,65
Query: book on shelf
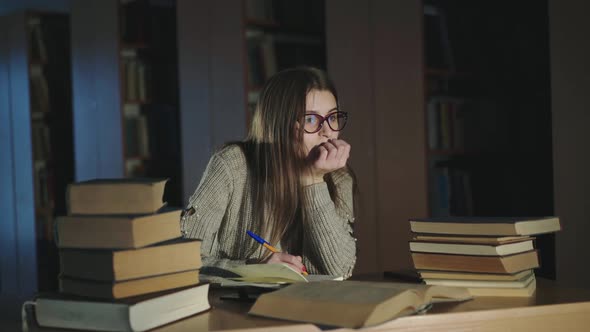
x,y
472,249
43,181
431,274
118,231
116,196
136,74
39,90
469,263
128,288
117,265
351,304
491,226
37,48
143,136
433,125
139,313
40,133
137,142
445,123
451,192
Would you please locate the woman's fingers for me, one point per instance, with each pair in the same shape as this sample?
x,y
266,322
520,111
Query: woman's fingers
x,y
294,261
329,156
338,152
332,150
343,150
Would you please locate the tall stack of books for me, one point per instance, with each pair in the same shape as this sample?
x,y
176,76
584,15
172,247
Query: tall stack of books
x,y
124,264
490,256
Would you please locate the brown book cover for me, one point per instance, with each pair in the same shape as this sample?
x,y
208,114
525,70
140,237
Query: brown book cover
x,y
116,196
352,304
117,231
487,226
116,265
483,264
127,288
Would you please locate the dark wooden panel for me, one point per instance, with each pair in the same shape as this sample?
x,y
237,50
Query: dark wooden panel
x,y
399,125
570,83
349,55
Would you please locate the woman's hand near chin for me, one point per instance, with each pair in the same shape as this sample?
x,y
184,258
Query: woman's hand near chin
x,y
325,158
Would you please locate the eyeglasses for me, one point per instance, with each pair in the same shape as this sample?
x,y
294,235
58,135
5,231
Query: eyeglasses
x,y
314,122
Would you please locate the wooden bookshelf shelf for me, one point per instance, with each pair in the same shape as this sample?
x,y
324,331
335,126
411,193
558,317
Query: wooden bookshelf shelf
x,y
149,102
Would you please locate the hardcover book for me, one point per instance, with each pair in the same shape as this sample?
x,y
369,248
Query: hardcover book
x,y
128,288
117,231
136,314
470,263
117,265
116,196
351,304
490,226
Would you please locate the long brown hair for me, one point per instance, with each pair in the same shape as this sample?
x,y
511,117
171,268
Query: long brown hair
x,y
275,153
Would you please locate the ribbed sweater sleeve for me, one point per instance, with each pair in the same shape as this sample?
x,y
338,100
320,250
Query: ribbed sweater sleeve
x,y
329,245
210,201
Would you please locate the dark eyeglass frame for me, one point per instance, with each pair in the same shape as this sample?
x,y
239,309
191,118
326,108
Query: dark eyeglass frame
x,y
323,119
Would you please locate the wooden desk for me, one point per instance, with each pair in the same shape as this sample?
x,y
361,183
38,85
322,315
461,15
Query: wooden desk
x,y
552,308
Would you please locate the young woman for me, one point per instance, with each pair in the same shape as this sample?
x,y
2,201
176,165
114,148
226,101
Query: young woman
x,y
287,182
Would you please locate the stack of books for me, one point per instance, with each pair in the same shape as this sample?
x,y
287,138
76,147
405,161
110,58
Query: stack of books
x,y
490,256
124,264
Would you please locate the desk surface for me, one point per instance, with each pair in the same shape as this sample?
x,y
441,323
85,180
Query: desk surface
x,y
551,308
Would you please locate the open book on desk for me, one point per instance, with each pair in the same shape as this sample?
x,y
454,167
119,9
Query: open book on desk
x,y
352,304
269,276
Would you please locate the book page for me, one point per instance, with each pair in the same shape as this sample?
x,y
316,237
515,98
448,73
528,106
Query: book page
x,y
437,294
365,303
268,273
349,291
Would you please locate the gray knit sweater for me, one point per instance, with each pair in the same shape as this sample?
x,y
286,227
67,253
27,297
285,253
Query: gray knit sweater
x,y
222,214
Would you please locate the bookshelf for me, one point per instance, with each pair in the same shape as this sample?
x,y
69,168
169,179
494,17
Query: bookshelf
x,y
149,92
281,34
39,104
484,88
447,99
51,131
